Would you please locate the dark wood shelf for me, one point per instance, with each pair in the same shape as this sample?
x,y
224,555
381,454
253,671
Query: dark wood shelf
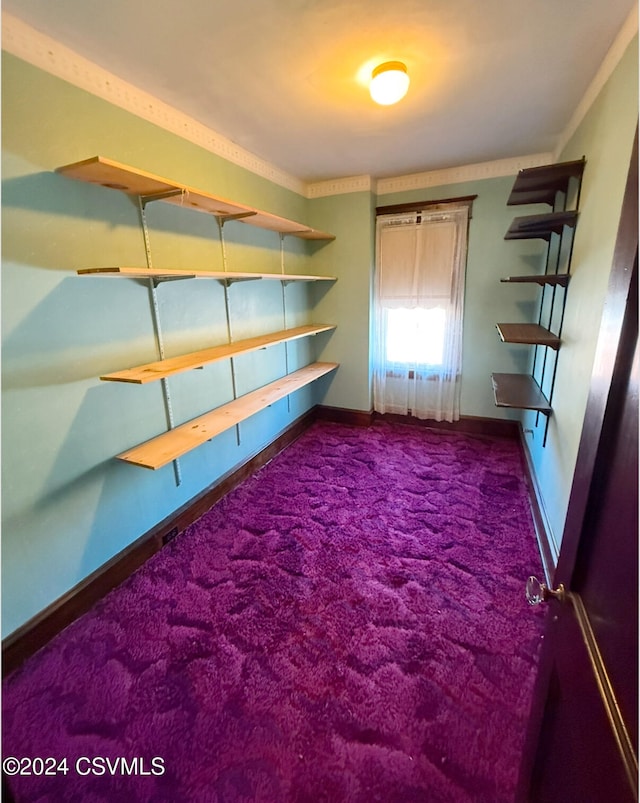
x,y
553,279
532,227
539,185
529,333
519,391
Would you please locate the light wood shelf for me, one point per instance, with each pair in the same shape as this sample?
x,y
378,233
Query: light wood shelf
x,y
130,180
171,445
160,274
529,333
553,279
153,371
519,391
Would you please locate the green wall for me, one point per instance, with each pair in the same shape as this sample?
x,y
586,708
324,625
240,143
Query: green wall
x,y
605,138
350,257
68,505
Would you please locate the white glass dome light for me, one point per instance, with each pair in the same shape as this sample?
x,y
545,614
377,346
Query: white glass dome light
x,y
389,83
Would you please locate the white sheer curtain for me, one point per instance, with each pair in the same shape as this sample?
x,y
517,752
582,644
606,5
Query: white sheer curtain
x,y
419,299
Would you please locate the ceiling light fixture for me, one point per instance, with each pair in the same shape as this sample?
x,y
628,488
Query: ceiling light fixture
x,y
389,83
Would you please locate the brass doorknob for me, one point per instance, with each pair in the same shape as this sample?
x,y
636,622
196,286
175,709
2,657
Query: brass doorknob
x,y
537,592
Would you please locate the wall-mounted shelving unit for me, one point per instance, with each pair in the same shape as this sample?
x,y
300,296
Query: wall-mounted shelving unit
x,y
171,445
562,280
140,184
178,440
153,371
218,275
519,390
540,227
558,186
528,333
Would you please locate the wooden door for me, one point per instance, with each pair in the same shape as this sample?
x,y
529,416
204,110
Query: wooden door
x,y
582,742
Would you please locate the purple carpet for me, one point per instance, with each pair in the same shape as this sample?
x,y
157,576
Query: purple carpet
x,y
347,625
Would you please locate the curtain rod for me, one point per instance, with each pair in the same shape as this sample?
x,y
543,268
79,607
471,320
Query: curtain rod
x,y
417,206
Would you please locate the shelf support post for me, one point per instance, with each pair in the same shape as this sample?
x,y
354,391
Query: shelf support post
x,y
155,314
227,311
284,316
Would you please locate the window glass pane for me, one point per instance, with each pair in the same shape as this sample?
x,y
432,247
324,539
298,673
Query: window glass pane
x,y
416,335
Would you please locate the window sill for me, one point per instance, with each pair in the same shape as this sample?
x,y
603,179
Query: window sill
x,y
429,374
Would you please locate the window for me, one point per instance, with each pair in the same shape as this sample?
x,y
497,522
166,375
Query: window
x,y
415,336
420,267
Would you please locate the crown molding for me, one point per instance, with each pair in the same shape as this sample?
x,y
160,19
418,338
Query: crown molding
x,y
432,178
43,52
456,175
610,62
339,186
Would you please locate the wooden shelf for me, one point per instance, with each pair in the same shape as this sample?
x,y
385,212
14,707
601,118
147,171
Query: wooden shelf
x,y
529,333
171,445
539,185
532,227
221,276
153,371
150,187
553,279
519,391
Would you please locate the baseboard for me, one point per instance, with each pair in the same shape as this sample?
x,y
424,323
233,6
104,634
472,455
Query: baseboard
x,y
469,424
473,425
38,631
546,546
341,415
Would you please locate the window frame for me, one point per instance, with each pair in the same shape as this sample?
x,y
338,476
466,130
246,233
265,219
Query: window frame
x,y
419,206
427,372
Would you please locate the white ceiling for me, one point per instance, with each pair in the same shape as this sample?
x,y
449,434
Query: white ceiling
x,y
490,79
